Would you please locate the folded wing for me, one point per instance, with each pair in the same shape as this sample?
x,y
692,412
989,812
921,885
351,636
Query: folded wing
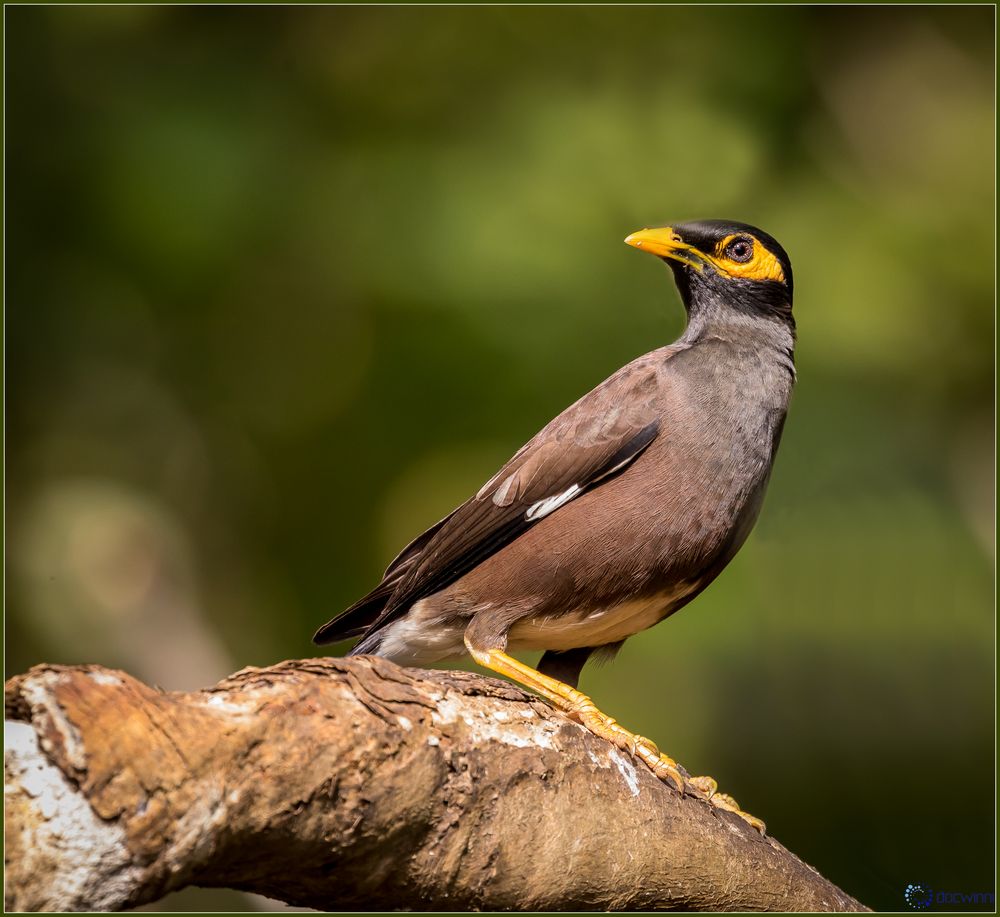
x,y
591,441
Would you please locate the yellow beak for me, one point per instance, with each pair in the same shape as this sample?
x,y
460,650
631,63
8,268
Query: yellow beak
x,y
665,243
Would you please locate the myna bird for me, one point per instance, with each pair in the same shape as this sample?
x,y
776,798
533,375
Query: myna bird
x,y
622,509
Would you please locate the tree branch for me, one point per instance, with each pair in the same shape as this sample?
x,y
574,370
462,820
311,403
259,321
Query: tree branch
x,y
340,784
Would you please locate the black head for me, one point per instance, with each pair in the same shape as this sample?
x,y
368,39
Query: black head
x,y
725,261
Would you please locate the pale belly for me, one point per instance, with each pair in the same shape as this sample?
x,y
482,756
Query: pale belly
x,y
575,629
426,635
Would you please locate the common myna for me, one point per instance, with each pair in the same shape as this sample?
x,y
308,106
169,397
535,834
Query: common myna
x,y
622,509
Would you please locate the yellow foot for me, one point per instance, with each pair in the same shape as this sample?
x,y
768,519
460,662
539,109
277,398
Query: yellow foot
x,y
583,709
710,789
608,728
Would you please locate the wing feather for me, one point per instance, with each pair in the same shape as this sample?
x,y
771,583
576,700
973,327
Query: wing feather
x,y
593,439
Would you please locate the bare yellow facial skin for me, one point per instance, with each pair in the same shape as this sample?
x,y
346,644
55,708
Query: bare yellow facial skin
x,y
761,266
668,244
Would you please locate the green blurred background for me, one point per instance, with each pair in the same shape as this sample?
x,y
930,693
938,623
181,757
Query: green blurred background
x,y
284,285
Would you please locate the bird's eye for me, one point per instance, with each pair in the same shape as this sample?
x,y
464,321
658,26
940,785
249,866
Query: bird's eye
x,y
740,250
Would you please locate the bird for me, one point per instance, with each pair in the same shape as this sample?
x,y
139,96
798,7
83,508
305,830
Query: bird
x,y
622,509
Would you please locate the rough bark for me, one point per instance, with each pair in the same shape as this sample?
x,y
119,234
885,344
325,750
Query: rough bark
x,y
355,784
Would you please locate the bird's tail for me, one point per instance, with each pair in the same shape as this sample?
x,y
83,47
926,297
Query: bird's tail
x,y
354,621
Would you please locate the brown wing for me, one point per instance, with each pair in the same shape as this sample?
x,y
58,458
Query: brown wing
x,y
593,439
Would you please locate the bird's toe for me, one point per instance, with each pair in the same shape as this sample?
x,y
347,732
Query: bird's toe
x,y
725,801
705,786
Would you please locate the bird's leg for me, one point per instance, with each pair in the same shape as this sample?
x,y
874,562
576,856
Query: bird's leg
x,y
581,708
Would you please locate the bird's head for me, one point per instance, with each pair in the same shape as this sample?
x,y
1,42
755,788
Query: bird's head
x,y
722,261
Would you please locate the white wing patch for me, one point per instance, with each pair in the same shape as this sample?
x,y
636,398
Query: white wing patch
x,y
542,508
503,495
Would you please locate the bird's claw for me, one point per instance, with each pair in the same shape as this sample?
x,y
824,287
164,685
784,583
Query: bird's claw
x,y
668,769
725,801
663,766
607,727
706,786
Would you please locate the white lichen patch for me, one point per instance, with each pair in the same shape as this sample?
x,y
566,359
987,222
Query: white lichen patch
x,y
405,723
486,727
39,691
223,704
105,678
627,769
613,758
85,859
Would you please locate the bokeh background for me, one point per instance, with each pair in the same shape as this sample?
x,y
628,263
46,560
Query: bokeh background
x,y
284,285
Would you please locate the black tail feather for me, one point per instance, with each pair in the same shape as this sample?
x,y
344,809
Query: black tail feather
x,y
355,620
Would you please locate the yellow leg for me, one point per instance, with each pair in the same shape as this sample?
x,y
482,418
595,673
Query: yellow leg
x,y
582,708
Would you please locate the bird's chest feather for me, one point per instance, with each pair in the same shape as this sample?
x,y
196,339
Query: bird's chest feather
x,y
719,458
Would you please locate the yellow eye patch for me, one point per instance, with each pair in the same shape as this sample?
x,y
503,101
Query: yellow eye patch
x,y
761,265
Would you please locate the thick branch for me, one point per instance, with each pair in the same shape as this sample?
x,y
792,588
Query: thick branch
x,y
340,784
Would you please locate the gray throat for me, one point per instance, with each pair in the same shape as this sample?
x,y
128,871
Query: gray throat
x,y
763,335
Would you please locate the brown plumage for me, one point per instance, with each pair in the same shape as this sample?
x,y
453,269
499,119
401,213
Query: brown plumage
x,y
662,468
623,508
